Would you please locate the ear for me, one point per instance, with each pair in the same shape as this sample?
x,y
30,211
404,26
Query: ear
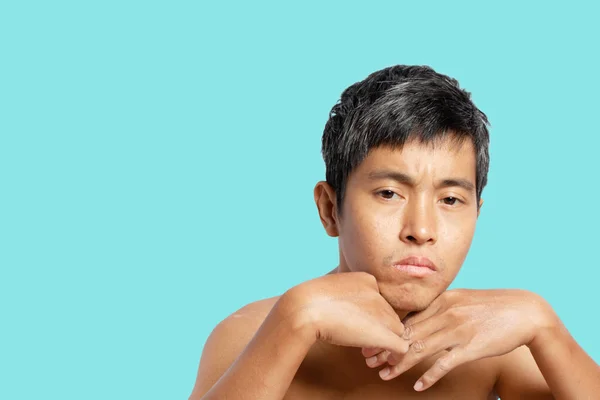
x,y
480,205
326,204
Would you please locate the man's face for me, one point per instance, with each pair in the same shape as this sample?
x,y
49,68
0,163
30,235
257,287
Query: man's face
x,y
419,201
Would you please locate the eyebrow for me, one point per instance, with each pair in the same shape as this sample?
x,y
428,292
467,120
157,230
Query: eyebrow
x,y
405,179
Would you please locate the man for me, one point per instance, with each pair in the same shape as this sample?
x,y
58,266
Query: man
x,y
406,155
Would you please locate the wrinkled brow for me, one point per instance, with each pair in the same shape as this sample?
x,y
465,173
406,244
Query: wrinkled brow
x,y
406,179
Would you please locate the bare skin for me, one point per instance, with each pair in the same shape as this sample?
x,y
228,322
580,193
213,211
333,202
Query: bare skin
x,y
336,336
330,371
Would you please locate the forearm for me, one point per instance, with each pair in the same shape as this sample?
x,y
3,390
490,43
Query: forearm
x,y
568,370
268,364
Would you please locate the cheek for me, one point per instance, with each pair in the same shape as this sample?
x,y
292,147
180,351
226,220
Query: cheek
x,y
362,242
457,240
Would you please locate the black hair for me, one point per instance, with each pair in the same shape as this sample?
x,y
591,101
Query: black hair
x,y
394,105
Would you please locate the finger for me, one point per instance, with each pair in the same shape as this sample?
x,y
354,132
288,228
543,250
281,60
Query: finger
x,y
395,325
419,351
398,328
442,366
420,330
371,351
378,359
385,338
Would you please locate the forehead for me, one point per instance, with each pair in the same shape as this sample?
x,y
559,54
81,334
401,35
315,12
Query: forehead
x,y
442,159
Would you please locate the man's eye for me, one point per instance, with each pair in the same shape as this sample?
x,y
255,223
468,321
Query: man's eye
x,y
386,194
450,201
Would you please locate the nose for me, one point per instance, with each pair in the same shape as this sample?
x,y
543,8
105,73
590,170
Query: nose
x,y
419,225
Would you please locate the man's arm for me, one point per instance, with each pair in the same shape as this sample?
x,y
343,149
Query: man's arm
x,y
520,377
343,309
267,362
569,373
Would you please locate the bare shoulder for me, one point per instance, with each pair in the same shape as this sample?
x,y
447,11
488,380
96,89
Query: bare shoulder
x,y
227,341
240,326
255,312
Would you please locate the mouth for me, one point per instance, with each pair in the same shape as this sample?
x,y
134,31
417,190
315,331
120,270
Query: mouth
x,y
415,266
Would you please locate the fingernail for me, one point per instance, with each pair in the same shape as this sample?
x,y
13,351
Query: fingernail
x,y
418,386
372,360
384,372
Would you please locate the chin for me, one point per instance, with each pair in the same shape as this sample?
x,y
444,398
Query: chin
x,y
408,305
405,299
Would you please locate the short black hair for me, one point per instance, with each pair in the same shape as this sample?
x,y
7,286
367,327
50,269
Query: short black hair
x,y
394,105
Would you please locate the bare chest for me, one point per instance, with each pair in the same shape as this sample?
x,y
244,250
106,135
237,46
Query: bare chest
x,y
344,375
305,390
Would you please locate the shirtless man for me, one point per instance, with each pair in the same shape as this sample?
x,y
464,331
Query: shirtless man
x,y
406,154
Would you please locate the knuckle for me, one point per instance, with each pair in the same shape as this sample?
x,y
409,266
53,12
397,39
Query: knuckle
x,y
453,313
466,332
445,363
408,332
418,346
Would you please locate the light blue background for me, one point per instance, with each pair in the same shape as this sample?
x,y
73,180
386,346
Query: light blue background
x,y
157,161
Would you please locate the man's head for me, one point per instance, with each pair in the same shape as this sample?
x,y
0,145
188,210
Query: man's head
x,y
406,154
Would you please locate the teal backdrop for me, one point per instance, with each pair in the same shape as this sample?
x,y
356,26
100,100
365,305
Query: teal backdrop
x,y
157,162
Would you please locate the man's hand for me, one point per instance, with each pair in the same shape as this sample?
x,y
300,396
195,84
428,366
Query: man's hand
x,y
470,325
346,309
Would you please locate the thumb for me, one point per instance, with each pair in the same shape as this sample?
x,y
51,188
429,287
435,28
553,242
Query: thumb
x,y
387,339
